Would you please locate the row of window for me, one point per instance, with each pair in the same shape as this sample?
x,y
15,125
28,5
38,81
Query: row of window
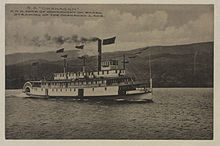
x,y
85,82
107,71
73,74
89,73
75,83
113,62
70,89
64,89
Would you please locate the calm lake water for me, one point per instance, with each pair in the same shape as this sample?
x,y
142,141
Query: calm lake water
x,y
176,113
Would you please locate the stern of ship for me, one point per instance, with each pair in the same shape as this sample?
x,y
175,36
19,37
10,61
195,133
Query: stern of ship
x,y
140,94
135,93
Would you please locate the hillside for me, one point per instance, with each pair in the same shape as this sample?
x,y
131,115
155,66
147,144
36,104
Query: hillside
x,y
172,66
26,57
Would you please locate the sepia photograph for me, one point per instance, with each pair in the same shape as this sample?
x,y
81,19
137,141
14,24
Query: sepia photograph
x,y
109,71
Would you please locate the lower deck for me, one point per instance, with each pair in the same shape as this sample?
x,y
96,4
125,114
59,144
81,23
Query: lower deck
x,y
108,91
95,91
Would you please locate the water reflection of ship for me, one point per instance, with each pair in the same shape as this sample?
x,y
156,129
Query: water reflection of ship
x,y
109,81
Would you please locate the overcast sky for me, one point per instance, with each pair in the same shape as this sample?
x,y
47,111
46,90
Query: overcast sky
x,y
134,26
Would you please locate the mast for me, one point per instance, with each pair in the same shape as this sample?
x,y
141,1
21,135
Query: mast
x,y
38,71
100,54
64,65
194,62
65,68
151,83
84,63
124,61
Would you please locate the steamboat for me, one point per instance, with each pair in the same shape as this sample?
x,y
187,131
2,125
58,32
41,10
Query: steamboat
x,y
109,82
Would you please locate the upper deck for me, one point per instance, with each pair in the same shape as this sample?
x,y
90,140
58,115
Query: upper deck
x,y
86,82
91,75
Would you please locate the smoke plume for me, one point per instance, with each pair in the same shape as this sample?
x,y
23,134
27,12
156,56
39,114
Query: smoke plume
x,y
60,40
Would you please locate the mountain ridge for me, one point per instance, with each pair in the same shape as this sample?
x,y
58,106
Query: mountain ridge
x,y
53,56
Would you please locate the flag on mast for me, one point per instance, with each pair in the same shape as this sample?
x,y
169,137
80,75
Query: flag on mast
x,y
109,41
80,47
60,50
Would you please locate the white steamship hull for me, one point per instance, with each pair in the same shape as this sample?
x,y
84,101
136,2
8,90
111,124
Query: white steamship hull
x,y
110,92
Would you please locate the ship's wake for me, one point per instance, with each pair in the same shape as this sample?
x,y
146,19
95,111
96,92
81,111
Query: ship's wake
x,y
15,94
133,101
96,100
